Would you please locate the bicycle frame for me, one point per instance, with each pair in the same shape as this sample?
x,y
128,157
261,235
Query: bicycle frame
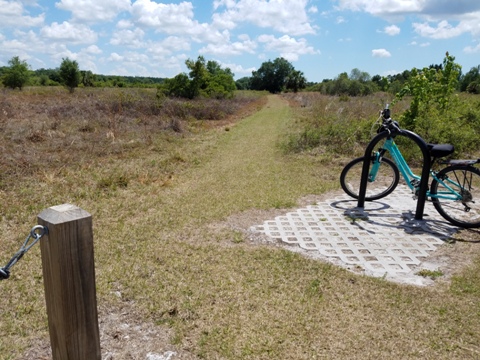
x,y
412,180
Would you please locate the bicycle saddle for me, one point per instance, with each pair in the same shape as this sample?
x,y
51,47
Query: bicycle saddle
x,y
440,150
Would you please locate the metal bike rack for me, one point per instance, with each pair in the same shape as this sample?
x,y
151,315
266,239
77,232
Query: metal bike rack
x,y
422,195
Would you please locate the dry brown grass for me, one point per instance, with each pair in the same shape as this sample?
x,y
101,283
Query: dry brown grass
x,y
173,257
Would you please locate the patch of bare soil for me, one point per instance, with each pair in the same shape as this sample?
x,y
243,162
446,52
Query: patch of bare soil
x,y
458,255
124,335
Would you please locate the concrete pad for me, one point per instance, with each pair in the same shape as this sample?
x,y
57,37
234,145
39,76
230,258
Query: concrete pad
x,y
383,239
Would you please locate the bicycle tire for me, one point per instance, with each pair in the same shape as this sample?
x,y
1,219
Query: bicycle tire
x,y
463,213
386,181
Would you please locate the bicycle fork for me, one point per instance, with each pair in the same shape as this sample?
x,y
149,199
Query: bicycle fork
x,y
376,160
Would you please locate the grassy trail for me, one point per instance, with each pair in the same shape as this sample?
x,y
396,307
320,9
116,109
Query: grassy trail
x,y
246,170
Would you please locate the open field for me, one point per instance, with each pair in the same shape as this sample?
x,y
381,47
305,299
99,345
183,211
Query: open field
x,y
171,199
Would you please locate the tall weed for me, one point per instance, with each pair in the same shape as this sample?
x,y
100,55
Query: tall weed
x,y
340,126
344,127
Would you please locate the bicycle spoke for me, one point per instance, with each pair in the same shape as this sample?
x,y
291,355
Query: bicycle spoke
x,y
464,182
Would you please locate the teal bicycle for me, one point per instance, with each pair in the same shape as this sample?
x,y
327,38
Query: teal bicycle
x,y
454,190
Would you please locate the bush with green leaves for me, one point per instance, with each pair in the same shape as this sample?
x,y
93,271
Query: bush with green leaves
x,y
205,79
277,76
432,92
436,111
17,74
70,74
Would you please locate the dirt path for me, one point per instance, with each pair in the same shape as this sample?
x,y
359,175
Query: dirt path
x,y
246,170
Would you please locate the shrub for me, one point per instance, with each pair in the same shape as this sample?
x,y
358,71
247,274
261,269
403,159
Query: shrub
x,y
17,74
70,74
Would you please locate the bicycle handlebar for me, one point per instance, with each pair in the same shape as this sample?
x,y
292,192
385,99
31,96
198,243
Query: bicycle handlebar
x,y
388,124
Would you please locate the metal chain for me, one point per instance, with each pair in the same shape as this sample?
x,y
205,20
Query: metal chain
x,y
36,234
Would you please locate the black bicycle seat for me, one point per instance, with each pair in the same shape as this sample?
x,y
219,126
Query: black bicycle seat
x,y
440,150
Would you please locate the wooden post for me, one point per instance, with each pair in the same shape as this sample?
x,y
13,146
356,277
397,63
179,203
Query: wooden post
x,y
69,279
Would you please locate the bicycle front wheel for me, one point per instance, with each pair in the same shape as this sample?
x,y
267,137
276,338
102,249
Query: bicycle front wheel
x,y
455,193
385,182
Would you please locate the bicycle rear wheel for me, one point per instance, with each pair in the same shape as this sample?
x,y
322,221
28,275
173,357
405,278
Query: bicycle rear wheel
x,y
465,181
385,182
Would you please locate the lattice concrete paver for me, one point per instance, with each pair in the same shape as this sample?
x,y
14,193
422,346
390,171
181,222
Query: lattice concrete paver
x,y
383,239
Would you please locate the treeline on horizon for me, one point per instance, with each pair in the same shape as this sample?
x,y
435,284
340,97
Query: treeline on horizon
x,y
357,83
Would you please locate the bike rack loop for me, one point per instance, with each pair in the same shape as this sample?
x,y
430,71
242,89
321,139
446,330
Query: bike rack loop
x,y
422,195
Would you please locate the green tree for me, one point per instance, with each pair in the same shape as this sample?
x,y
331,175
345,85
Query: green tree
x,y
70,74
17,74
470,80
358,75
295,81
219,82
220,86
474,87
431,89
43,80
87,78
206,79
179,86
272,75
198,75
243,83
341,84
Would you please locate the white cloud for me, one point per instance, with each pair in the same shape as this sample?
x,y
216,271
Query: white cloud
x,y
61,52
381,53
472,49
438,9
443,30
91,11
173,19
167,47
67,32
439,12
166,18
245,45
14,47
288,47
382,7
391,30
289,17
29,45
87,58
124,24
131,38
12,13
115,57
93,49
238,69
132,57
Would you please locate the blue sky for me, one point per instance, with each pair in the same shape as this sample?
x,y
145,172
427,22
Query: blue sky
x,y
321,38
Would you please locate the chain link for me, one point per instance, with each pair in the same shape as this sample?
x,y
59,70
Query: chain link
x,y
35,235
